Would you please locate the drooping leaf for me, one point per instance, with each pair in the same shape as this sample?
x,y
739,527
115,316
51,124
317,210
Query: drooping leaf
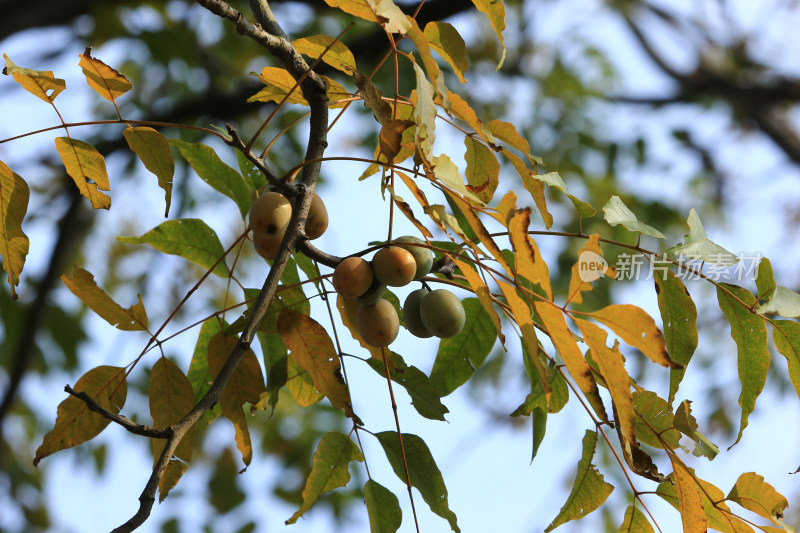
x,y
635,521
211,169
373,98
507,132
693,515
637,329
300,384
422,471
83,162
697,245
83,285
654,420
765,279
478,228
749,331
40,83
389,16
533,186
539,398
484,296
566,345
590,267
786,336
405,208
460,356
171,398
679,316
14,196
153,150
423,395
313,349
190,238
616,212
496,12
424,115
482,170
589,490
108,83
755,494
447,42
75,423
390,138
329,469
529,261
685,422
244,386
383,508
782,301
338,55
199,374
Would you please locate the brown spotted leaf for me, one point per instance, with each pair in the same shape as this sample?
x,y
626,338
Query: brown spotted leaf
x,y
108,83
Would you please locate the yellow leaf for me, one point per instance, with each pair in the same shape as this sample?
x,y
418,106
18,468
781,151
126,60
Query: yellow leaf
x,y
529,261
300,385
459,108
484,296
408,212
336,93
83,162
314,351
278,82
496,12
447,42
108,83
83,285
347,310
693,516
566,345
480,230
755,494
505,209
40,83
338,55
590,266
359,8
533,186
75,423
14,195
245,386
389,16
416,191
638,329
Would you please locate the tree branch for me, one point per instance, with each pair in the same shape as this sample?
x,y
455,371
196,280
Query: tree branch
x,y
125,422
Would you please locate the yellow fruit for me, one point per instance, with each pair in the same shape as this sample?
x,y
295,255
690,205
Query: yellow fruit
x,y
423,256
317,221
267,248
352,277
270,215
378,324
394,266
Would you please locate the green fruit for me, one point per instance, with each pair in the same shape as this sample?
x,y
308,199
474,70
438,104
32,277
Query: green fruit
x,y
442,313
378,324
317,221
267,248
270,215
394,266
411,315
373,294
352,277
422,256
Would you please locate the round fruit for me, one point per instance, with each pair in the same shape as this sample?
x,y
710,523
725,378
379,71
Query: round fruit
x,y
378,324
394,266
270,215
411,315
442,313
352,277
422,256
317,221
267,248
373,294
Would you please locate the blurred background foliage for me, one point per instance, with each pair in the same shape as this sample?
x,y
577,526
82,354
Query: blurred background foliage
x,y
654,101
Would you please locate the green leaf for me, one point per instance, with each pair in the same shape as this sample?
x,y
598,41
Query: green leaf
x,y
786,336
654,419
496,11
679,318
424,397
589,490
635,522
765,279
253,177
422,471
749,331
754,494
211,169
83,285
14,196
447,42
153,150
338,56
199,375
40,83
616,212
373,99
383,508
782,301
329,469
190,238
108,83
75,423
459,357
537,398
482,171
685,422
424,114
697,246
83,162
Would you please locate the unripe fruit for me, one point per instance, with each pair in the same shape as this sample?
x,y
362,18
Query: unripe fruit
x,y
394,266
442,313
373,294
352,277
317,221
378,324
411,316
270,215
267,248
422,256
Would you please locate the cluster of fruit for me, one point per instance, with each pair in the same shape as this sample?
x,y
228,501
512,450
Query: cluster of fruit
x,y
269,218
426,313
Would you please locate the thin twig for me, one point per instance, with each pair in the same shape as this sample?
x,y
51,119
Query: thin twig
x,y
125,422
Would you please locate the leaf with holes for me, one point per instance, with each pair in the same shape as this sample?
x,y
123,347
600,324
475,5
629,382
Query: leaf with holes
x,y
87,168
754,494
40,83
